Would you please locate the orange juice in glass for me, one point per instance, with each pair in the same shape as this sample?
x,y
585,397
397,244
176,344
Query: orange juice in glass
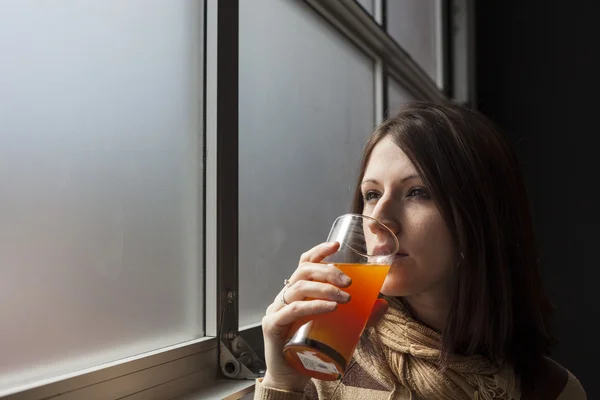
x,y
322,346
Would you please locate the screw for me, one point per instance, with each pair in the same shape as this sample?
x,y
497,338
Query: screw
x,y
230,335
230,296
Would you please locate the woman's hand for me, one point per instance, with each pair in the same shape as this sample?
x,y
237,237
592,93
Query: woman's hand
x,y
320,282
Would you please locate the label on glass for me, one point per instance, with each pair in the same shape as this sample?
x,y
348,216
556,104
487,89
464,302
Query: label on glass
x,y
313,363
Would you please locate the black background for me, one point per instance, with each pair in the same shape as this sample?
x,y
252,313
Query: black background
x,y
537,77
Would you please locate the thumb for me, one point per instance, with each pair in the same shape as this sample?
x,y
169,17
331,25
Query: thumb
x,y
379,309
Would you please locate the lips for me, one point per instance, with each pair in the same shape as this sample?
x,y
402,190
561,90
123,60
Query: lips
x,y
383,249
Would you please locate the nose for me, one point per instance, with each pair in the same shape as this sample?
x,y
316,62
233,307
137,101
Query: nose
x,y
379,240
383,213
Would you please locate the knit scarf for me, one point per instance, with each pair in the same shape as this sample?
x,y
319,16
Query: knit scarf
x,y
412,359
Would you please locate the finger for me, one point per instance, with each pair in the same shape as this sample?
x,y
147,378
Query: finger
x,y
319,252
317,290
377,313
297,310
310,272
322,273
311,282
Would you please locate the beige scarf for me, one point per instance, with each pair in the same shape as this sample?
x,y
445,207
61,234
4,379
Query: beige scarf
x,y
412,360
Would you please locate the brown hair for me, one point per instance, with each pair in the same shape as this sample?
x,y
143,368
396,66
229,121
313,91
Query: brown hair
x,y
499,308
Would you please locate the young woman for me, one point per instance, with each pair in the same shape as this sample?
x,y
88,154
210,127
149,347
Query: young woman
x,y
467,315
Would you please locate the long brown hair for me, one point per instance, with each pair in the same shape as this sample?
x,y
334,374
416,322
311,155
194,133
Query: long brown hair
x,y
499,308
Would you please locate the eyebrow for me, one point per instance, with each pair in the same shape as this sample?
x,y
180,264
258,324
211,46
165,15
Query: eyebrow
x,y
406,178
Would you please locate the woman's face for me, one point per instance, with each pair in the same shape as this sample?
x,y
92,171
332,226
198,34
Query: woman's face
x,y
394,193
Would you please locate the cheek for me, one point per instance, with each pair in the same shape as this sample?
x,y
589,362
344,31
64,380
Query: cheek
x,y
429,240
431,252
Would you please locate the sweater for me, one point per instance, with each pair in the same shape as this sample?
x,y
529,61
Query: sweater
x,y
358,384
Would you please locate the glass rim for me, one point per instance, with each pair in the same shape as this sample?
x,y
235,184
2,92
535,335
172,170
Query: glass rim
x,y
362,216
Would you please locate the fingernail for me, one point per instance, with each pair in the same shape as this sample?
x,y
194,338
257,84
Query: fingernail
x,y
331,305
345,296
346,280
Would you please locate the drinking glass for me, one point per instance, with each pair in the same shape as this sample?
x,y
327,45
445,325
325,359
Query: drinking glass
x,y
322,346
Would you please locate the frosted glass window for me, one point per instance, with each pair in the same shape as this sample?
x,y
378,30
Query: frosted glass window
x,y
367,5
413,24
306,110
100,182
397,95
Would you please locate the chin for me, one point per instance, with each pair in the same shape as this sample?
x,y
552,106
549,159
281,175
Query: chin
x,y
397,284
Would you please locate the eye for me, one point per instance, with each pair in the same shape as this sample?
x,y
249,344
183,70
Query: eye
x,y
371,195
419,193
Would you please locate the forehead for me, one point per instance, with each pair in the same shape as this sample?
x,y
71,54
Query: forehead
x,y
388,160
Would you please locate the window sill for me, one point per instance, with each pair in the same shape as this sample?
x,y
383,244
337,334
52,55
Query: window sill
x,y
224,390
164,373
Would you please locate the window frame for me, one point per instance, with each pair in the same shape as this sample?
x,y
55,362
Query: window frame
x,y
461,55
369,33
182,368
176,370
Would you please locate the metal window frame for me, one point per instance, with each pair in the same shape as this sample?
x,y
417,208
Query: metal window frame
x,y
181,368
350,18
441,32
178,369
381,101
446,26
175,369
369,33
227,160
443,51
462,70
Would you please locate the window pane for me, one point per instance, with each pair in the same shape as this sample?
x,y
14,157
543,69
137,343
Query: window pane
x,y
413,23
397,95
100,168
306,109
367,5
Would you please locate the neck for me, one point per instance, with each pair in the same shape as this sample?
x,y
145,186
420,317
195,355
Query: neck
x,y
430,309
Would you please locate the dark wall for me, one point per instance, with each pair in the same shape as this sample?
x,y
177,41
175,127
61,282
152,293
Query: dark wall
x,y
537,77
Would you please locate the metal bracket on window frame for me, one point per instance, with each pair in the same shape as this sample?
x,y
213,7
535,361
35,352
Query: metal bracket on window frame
x,y
237,359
